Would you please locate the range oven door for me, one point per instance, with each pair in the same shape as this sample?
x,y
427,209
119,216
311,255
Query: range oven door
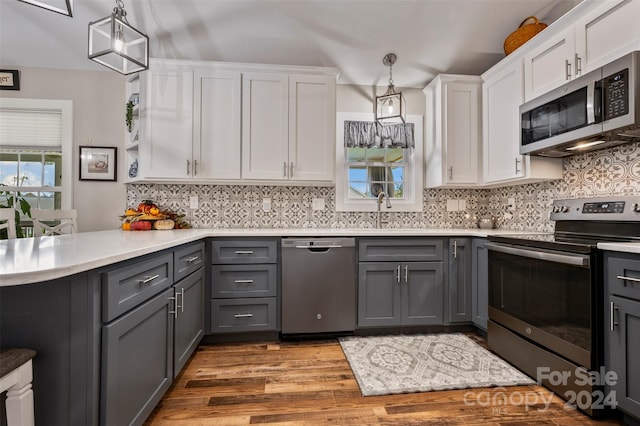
x,y
544,296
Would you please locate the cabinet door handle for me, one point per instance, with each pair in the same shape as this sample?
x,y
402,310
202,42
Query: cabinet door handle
x,y
195,167
623,278
450,172
147,280
244,251
284,169
243,316
191,259
455,249
578,62
181,304
568,69
174,312
188,167
398,273
613,308
406,274
243,281
518,168
291,170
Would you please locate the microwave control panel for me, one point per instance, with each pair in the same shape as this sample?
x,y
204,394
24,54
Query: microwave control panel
x,y
616,92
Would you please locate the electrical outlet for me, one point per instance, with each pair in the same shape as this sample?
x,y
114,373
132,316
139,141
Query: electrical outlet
x,y
462,205
266,204
511,204
452,205
193,202
317,204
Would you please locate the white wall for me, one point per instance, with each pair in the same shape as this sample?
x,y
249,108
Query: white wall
x,y
98,119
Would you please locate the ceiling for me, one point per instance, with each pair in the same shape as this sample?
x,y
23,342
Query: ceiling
x,y
428,36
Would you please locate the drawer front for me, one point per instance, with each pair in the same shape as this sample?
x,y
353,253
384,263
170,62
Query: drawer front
x,y
400,250
187,260
236,315
623,275
244,251
232,281
126,287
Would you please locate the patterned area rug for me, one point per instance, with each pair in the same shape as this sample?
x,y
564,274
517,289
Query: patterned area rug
x,y
418,363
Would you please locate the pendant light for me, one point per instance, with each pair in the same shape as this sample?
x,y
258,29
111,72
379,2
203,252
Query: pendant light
x,y
390,107
114,43
64,7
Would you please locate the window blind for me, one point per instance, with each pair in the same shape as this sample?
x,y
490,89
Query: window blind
x,y
31,128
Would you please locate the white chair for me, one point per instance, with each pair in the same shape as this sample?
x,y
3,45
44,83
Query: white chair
x,y
16,375
66,218
8,217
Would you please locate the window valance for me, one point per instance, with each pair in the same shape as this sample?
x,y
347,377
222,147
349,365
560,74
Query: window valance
x,y
369,134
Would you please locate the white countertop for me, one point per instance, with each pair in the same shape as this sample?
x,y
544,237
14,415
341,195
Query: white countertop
x,y
624,247
31,260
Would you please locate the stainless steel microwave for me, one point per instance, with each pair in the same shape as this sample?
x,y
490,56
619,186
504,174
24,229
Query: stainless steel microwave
x,y
597,110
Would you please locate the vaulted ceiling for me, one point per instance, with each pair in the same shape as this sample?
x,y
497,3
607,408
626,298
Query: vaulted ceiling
x,y
428,36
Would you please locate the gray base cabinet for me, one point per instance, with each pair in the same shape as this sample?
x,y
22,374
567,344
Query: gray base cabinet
x,y
189,318
622,335
479,283
137,366
459,281
244,285
394,292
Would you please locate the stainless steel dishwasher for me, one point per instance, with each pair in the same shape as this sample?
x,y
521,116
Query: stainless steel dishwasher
x,y
318,285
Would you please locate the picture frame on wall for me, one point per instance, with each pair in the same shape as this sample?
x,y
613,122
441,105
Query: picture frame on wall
x,y
98,163
9,80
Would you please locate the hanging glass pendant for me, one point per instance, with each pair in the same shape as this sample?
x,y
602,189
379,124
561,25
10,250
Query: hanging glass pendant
x,y
390,107
114,43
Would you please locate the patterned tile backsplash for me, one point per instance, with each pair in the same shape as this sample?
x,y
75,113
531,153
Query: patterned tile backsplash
x,y
597,174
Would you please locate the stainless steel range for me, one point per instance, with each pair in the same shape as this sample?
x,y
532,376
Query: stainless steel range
x,y
546,295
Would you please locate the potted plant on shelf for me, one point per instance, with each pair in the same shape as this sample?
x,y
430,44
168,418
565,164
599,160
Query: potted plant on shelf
x,y
8,199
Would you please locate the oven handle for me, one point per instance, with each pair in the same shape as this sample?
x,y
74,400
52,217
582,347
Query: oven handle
x,y
567,259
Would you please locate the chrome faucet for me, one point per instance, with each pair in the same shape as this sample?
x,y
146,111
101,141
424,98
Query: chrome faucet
x,y
382,195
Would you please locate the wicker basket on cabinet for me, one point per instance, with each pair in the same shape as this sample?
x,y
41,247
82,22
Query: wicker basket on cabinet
x,y
524,32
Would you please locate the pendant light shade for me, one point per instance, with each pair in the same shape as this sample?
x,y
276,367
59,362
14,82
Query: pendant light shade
x,y
64,7
391,107
114,43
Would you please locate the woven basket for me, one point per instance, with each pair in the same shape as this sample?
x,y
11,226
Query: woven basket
x,y
523,34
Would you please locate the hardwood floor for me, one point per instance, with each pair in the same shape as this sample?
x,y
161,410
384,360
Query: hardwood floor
x,y
310,382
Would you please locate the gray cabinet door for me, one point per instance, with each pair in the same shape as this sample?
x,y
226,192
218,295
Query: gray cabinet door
x,y
189,318
422,288
480,283
137,362
459,281
187,259
624,354
379,294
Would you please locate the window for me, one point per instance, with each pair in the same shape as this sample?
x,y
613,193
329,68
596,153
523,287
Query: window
x,y
35,152
362,172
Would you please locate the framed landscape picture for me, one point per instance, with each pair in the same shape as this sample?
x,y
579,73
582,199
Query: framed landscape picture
x,y
98,163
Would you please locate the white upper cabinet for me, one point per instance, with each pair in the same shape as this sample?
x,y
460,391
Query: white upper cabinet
x,y
167,117
453,131
288,127
502,94
604,32
216,124
312,127
608,32
224,122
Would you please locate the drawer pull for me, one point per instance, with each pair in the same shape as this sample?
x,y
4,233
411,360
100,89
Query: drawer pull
x,y
243,316
147,280
244,251
243,281
174,312
192,259
623,278
612,312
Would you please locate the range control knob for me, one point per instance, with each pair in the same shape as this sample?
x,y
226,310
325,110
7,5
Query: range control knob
x,y
565,209
636,207
556,209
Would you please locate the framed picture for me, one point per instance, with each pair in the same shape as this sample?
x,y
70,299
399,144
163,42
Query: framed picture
x,y
9,80
98,163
